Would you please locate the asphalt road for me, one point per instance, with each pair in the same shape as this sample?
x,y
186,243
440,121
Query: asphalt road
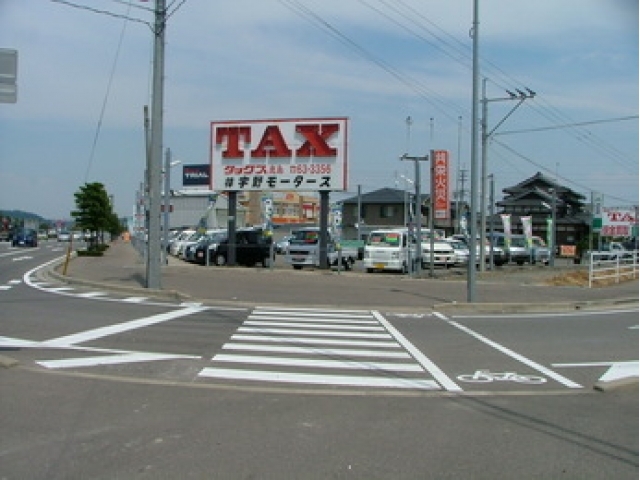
x,y
114,385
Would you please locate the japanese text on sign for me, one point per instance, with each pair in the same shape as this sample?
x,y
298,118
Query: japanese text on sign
x,y
440,183
306,154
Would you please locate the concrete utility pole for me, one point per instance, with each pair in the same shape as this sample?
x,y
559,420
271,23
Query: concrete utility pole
x,y
473,227
154,167
417,213
486,135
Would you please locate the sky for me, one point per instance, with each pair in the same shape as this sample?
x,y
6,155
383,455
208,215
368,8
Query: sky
x,y
84,77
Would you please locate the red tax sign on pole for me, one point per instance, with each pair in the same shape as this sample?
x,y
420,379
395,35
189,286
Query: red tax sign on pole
x,y
308,154
440,184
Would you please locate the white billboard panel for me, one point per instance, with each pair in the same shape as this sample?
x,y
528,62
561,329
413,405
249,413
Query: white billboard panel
x,y
308,154
618,221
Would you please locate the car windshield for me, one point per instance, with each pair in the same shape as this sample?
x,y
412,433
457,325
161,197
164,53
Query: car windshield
x,y
384,239
518,242
304,237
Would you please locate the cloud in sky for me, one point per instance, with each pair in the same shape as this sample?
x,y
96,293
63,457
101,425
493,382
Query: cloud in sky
x,y
375,61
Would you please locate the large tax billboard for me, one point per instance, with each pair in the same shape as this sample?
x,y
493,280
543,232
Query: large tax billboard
x,y
277,155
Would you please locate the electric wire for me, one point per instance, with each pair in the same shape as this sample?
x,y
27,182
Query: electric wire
x,y
107,94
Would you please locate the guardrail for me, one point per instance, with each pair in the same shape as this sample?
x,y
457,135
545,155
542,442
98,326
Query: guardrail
x,y
616,266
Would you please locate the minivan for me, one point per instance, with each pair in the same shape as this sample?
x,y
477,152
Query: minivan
x,y
252,246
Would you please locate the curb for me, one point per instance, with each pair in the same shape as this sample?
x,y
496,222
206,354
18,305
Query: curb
x,y
479,308
616,384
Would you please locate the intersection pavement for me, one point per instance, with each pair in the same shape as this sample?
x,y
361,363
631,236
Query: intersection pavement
x,y
509,289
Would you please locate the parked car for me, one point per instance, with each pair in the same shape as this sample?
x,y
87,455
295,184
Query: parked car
x,y
64,236
25,237
252,246
201,249
460,251
191,249
281,245
175,248
517,252
540,253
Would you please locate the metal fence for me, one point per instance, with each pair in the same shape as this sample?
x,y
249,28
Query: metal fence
x,y
606,266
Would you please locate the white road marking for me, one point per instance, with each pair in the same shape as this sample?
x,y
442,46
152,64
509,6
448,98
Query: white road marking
x,y
319,363
14,282
342,380
326,333
329,352
318,339
427,364
516,356
132,357
134,299
313,319
315,325
5,287
92,294
314,341
119,328
617,370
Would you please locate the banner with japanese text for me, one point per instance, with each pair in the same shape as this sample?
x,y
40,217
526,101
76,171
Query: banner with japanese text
x,y
440,184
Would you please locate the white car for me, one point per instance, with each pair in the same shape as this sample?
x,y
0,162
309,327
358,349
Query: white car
x,y
176,245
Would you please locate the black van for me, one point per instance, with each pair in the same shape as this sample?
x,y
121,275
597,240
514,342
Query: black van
x,y
252,246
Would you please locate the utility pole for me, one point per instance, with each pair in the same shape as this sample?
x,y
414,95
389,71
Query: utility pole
x,y
473,227
486,135
154,167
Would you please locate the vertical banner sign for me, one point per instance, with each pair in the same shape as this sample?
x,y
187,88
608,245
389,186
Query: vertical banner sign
x,y
597,201
506,225
267,211
440,184
280,155
527,228
550,231
336,223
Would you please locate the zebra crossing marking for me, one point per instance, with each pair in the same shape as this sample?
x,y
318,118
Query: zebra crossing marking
x,y
317,347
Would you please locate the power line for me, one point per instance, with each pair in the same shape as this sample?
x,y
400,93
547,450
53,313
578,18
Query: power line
x,y
106,95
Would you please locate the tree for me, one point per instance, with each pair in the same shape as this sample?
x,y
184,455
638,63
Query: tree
x,y
94,210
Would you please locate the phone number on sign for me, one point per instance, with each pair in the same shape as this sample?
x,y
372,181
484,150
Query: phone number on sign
x,y
313,169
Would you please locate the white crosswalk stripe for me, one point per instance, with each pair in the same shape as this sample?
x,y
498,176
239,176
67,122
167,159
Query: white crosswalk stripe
x,y
334,348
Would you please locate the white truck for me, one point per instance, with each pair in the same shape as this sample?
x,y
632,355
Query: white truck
x,y
304,250
395,249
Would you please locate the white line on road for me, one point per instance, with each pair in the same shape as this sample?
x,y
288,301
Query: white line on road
x,y
314,325
291,331
315,319
319,363
111,360
516,356
119,328
329,352
314,341
427,364
342,380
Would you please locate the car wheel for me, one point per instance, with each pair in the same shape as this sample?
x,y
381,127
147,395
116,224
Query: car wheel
x,y
220,260
297,267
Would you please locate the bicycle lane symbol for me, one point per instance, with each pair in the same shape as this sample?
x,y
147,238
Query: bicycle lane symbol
x,y
485,376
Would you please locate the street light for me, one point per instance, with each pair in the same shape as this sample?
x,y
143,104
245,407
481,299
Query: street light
x,y
417,208
168,164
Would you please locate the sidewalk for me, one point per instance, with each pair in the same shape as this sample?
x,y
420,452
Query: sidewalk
x,y
513,289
